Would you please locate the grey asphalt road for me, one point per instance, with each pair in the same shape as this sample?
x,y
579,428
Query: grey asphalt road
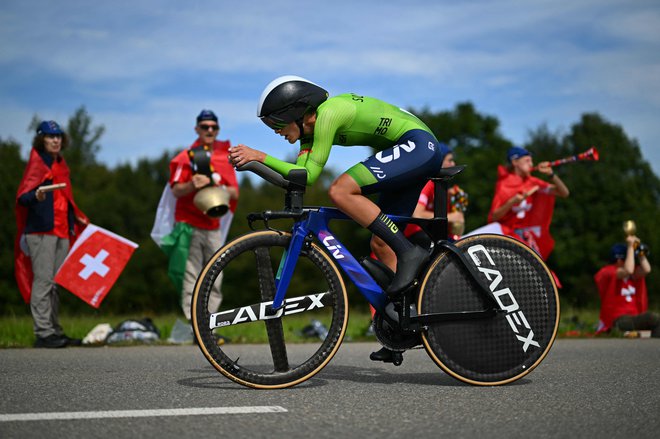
x,y
600,388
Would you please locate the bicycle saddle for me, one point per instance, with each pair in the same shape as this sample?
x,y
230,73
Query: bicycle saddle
x,y
448,173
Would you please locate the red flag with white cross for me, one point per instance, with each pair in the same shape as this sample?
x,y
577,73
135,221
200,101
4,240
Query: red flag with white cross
x,y
94,263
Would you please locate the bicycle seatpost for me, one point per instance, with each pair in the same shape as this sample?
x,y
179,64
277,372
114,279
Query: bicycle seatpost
x,y
441,186
439,226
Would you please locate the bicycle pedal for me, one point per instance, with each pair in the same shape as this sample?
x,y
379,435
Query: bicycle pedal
x,y
387,356
397,358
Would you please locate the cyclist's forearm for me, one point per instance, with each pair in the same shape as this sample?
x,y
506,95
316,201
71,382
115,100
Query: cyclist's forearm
x,y
313,169
283,168
280,166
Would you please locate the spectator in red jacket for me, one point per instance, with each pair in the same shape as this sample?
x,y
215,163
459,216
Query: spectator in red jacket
x,y
205,163
622,289
523,204
46,219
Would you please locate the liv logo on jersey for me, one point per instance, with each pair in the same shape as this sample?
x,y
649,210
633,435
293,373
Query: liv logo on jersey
x,y
396,152
259,311
94,263
515,317
333,246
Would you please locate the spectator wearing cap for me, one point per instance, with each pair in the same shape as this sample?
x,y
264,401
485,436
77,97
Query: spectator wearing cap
x,y
622,289
46,219
197,235
523,204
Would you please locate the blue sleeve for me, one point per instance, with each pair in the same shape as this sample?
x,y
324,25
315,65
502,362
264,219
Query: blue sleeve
x,y
28,198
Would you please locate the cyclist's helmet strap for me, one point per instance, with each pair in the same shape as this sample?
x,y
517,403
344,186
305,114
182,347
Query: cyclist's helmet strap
x,y
287,98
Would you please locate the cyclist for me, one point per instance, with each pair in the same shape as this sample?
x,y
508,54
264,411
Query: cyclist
x,y
407,155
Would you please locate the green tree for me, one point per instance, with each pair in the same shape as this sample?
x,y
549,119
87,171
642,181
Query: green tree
x,y
11,172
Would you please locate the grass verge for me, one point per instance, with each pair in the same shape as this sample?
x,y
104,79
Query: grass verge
x,y
16,330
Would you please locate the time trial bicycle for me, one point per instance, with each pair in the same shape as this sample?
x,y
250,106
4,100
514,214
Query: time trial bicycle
x,y
485,308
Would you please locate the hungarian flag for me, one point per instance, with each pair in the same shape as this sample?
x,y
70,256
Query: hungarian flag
x,y
174,238
94,263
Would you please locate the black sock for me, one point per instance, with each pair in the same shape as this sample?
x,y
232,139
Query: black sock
x,y
388,231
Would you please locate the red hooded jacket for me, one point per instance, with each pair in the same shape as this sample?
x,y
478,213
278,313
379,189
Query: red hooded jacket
x,y
38,173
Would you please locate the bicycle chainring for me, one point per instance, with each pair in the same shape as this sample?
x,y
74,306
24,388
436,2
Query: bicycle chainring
x,y
392,337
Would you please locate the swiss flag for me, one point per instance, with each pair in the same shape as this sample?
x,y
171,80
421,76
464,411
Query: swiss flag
x,y
94,263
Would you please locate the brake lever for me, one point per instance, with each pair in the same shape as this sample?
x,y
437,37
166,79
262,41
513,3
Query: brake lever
x,y
251,218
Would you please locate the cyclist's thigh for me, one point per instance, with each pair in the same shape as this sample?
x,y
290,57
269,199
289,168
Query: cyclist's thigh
x,y
400,172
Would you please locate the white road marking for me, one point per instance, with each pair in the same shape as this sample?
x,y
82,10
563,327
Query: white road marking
x,y
57,416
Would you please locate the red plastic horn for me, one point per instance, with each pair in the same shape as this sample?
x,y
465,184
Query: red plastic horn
x,y
590,154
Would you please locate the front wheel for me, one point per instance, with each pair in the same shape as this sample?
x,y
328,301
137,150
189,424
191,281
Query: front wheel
x,y
263,349
496,349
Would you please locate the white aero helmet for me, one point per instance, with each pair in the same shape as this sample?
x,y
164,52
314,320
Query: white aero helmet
x,y
287,98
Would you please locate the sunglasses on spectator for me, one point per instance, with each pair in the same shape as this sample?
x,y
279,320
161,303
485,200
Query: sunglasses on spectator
x,y
206,127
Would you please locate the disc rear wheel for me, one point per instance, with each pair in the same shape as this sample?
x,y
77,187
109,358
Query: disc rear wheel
x,y
496,349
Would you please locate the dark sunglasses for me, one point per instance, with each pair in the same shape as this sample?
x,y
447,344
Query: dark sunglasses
x,y
206,127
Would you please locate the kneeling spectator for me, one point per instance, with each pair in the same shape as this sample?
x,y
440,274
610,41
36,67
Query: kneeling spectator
x,y
622,289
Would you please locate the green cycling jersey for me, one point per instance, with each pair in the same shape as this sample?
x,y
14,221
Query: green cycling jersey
x,y
348,120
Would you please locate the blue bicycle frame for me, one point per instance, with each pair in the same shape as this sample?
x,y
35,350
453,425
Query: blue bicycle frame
x,y
315,222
